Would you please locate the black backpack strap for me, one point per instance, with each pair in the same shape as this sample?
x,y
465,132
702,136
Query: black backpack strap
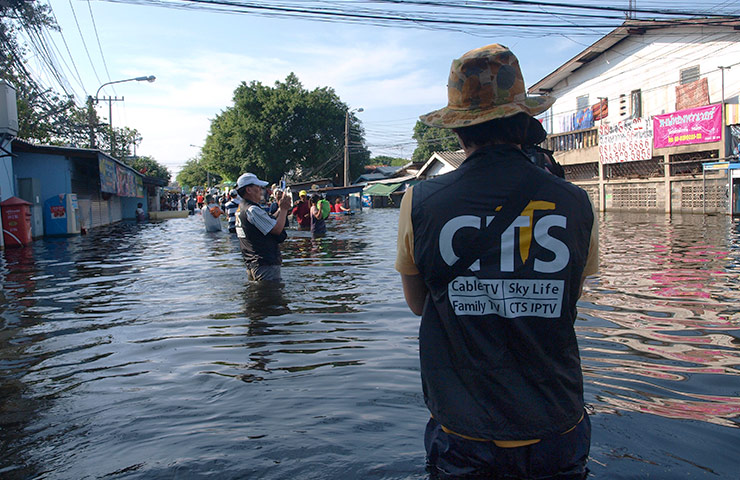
x,y
488,236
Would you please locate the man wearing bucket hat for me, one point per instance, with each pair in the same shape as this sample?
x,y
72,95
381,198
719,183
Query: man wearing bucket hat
x,y
260,235
500,367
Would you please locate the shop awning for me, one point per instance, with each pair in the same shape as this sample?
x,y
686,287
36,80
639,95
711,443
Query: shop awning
x,y
381,189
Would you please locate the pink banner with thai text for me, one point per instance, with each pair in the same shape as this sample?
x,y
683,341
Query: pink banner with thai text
x,y
695,125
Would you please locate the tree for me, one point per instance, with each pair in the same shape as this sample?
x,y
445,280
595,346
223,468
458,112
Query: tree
x,y
194,174
432,139
270,131
149,167
387,160
43,115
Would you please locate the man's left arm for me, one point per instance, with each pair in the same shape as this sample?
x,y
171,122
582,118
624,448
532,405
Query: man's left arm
x,y
414,289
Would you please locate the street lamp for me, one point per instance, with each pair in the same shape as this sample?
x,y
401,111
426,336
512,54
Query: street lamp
x,y
346,143
208,174
110,100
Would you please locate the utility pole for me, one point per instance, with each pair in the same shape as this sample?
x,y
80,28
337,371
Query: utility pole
x,y
722,69
723,150
346,143
346,148
110,101
91,120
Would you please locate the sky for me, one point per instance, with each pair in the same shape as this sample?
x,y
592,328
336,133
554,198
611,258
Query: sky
x,y
199,58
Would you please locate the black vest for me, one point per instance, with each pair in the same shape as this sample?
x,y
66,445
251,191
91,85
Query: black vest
x,y
499,357
258,248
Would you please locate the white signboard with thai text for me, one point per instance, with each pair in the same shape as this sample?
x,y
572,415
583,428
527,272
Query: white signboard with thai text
x,y
626,141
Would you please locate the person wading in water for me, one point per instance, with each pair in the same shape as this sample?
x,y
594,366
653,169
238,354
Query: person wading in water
x,y
493,256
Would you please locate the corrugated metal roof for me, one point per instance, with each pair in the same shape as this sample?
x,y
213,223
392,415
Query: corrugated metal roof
x,y
453,158
381,189
394,180
86,153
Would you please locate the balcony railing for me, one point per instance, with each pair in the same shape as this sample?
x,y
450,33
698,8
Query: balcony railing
x,y
562,142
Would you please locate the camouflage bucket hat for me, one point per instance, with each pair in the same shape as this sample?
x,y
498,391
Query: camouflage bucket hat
x,y
484,84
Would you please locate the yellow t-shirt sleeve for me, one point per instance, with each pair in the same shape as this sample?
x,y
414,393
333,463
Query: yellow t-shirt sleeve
x,y
592,261
405,248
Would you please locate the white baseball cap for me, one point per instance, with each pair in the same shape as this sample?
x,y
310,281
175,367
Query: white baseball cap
x,y
249,179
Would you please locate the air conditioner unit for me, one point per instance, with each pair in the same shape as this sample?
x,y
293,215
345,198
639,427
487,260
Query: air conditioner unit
x,y
8,110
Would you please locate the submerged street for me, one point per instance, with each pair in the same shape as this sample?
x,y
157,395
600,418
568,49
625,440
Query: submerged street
x,y
142,351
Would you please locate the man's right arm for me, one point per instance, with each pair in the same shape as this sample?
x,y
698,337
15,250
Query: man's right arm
x,y
592,261
282,215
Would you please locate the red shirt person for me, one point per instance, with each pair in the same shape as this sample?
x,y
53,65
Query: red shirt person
x,y
302,211
338,207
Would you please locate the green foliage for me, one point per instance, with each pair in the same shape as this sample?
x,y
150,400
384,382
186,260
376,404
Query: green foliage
x,y
432,139
194,174
270,131
149,167
387,160
44,116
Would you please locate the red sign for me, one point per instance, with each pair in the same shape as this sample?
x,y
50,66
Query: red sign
x,y
58,211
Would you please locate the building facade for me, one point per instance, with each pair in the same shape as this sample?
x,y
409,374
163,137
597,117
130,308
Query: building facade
x,y
641,111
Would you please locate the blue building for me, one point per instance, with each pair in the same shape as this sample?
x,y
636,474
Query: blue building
x,y
106,189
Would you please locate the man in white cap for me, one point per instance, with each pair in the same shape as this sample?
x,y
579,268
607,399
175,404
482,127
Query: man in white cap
x,y
260,235
500,367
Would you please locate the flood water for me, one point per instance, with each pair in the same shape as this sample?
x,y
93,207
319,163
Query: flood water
x,y
142,352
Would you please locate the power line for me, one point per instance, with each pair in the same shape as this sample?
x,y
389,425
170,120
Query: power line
x,y
97,37
352,12
69,53
84,44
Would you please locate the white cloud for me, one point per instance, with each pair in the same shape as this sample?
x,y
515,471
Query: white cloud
x,y
175,111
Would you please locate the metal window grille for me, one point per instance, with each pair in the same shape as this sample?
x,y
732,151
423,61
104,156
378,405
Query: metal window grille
x,y
581,171
642,169
689,75
690,163
582,102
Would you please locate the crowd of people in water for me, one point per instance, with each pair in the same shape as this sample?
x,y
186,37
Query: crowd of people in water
x,y
309,210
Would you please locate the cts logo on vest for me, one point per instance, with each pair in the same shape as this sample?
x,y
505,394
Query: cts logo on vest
x,y
527,228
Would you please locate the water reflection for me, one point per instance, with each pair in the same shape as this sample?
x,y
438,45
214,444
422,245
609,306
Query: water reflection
x,y
666,329
264,299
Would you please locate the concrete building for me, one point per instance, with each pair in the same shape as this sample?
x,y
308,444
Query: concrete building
x,y
641,111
